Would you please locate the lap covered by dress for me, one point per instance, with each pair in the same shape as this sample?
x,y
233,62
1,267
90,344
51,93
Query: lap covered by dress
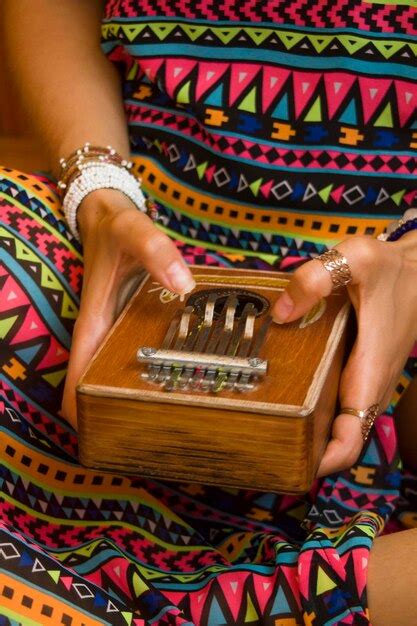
x,y
84,547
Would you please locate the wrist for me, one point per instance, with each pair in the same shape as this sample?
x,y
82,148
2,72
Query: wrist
x,y
98,205
93,168
407,245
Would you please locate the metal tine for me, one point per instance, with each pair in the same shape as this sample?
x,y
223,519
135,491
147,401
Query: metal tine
x,y
246,340
197,341
153,370
243,383
183,329
184,323
193,334
174,325
199,374
247,335
220,325
223,339
240,330
260,337
229,323
222,378
207,323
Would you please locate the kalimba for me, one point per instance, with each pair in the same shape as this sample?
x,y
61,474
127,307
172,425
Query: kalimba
x,y
209,390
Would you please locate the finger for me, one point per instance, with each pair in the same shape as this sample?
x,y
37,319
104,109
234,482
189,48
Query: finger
x,y
138,236
96,316
307,286
363,384
344,447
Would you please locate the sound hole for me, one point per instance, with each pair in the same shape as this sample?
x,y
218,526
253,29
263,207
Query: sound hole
x,y
198,301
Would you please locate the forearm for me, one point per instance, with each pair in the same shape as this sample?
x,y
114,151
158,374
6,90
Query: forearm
x,y
71,91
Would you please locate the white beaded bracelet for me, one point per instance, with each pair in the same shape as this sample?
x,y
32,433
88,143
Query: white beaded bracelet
x,y
98,175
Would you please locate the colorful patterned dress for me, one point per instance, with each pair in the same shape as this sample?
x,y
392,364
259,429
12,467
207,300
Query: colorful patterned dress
x,y
266,131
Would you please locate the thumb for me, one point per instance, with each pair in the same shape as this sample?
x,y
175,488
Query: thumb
x,y
307,286
137,235
128,242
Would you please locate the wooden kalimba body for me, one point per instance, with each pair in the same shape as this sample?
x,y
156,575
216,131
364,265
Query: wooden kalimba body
x,y
209,390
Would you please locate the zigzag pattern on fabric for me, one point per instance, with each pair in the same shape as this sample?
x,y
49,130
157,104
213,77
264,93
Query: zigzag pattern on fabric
x,y
386,18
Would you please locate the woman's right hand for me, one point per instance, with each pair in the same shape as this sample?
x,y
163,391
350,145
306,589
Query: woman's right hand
x,y
118,241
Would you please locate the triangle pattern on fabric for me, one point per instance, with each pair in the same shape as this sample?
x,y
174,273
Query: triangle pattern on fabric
x,y
32,328
349,115
176,70
241,76
258,35
56,355
233,587
131,31
69,309
216,97
280,605
406,100
6,324
193,31
281,110
337,86
324,582
226,34
273,82
388,48
290,39
373,91
305,84
263,589
314,113
319,42
352,43
385,118
151,67
251,612
28,354
215,616
12,295
249,102
208,75
162,30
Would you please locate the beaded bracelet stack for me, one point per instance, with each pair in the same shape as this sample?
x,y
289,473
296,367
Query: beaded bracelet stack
x,y
90,168
400,227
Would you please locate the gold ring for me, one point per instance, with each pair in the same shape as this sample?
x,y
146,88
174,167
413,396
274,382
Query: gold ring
x,y
367,417
337,265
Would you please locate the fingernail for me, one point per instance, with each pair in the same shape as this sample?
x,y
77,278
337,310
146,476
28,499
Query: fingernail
x,y
180,278
283,309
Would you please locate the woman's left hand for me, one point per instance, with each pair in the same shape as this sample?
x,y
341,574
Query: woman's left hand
x,y
383,292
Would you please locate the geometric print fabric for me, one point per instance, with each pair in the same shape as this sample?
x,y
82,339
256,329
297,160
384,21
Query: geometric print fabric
x,y
83,546
250,104
264,141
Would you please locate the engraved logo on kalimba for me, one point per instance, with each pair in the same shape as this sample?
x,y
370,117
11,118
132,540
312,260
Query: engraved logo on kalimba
x,y
165,294
211,344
